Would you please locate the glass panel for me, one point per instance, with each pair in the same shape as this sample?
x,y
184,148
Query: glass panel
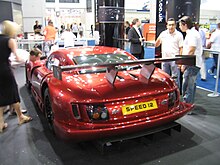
x,y
69,1
50,0
89,5
100,59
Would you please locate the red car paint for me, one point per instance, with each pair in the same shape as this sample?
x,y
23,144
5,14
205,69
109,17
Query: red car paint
x,y
82,90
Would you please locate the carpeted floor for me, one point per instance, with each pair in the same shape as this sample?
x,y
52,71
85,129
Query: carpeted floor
x,y
210,82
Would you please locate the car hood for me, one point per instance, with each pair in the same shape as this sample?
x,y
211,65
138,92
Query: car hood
x,y
96,86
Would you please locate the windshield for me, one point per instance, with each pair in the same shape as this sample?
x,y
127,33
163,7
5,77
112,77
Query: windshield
x,y
100,59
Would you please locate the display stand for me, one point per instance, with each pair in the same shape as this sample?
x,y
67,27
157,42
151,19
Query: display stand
x,y
29,42
215,93
78,42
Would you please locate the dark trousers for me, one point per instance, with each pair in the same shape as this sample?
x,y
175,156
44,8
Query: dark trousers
x,y
141,55
75,33
215,63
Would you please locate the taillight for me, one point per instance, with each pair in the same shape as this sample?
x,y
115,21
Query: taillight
x,y
172,99
76,112
97,112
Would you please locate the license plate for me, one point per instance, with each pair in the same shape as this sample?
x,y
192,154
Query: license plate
x,y
139,107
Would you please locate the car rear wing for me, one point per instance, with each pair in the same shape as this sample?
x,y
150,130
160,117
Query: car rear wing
x,y
111,70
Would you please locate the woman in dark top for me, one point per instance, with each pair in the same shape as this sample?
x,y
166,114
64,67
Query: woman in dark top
x,y
127,28
8,87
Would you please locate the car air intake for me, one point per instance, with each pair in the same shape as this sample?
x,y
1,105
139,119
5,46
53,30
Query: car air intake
x,y
75,110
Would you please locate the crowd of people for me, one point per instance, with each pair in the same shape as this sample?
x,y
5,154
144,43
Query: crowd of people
x,y
66,33
77,30
174,43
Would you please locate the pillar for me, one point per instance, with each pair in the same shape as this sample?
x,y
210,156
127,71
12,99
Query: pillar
x,y
109,18
7,8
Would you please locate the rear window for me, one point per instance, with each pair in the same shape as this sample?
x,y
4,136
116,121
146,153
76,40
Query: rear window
x,y
100,59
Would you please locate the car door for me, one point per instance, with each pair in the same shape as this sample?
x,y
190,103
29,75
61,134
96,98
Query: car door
x,y
41,73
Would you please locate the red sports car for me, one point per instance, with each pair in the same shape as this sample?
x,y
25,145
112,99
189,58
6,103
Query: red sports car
x,y
93,92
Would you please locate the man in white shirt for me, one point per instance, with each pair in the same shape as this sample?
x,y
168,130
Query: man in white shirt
x,y
214,44
172,44
192,45
203,37
68,37
75,29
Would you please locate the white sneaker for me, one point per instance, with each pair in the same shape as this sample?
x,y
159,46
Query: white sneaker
x,y
210,72
190,113
23,110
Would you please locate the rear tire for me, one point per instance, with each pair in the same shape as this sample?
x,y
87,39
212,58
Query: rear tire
x,y
28,84
48,110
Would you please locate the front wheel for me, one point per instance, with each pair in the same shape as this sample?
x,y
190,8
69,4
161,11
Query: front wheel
x,y
48,110
28,84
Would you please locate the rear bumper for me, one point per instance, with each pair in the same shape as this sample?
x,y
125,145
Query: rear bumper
x,y
71,133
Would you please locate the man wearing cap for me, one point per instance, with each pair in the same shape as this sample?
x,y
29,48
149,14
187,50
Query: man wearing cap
x,y
192,45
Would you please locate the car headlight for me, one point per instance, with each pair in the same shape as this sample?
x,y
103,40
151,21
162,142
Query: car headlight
x,y
97,112
172,99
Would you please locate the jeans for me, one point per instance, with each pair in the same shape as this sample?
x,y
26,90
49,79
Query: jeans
x,y
189,83
172,69
47,47
215,63
203,68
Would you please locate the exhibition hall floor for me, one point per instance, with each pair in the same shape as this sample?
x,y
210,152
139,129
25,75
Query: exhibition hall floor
x,y
198,143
